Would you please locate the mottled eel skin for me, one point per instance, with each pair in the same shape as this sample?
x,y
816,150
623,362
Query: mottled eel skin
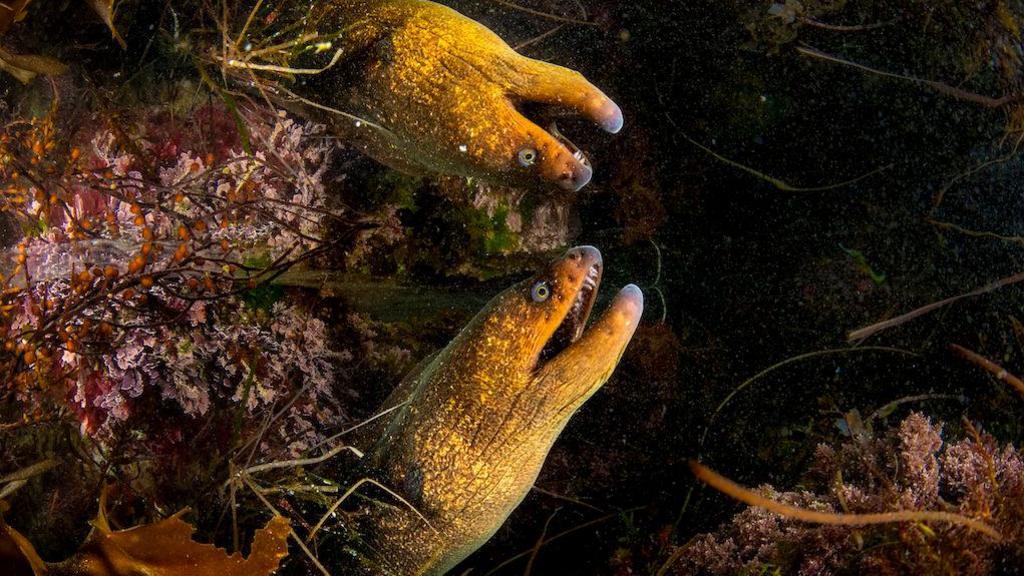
x,y
477,420
439,92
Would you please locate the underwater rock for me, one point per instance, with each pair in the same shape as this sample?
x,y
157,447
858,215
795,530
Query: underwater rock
x,y
537,226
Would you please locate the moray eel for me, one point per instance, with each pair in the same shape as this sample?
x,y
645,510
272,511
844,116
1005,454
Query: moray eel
x,y
422,88
476,422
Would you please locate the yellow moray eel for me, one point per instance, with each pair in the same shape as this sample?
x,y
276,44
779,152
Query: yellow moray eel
x,y
422,88
477,421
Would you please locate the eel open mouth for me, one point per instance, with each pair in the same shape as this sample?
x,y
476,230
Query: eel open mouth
x,y
575,320
578,154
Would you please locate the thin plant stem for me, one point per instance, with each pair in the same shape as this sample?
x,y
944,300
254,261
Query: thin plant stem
x,y
997,371
873,329
940,87
818,353
355,486
545,15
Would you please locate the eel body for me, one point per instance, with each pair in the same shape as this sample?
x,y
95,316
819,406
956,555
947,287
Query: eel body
x,y
422,88
475,424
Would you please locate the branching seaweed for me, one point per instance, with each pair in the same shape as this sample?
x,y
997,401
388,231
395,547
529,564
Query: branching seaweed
x,y
901,502
730,488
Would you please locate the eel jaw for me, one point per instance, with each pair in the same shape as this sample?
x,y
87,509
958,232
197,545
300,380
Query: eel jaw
x,y
575,373
577,154
575,320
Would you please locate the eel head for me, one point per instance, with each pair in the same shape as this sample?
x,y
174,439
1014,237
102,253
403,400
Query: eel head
x,y
442,93
538,329
479,420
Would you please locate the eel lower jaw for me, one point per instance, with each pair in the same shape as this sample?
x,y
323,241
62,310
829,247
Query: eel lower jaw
x,y
628,305
609,117
603,112
606,338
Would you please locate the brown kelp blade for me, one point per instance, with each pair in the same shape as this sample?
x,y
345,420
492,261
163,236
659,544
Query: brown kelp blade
x,y
165,548
105,10
747,496
10,12
17,554
25,67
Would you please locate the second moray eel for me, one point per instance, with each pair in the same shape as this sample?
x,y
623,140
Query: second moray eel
x,y
476,422
422,88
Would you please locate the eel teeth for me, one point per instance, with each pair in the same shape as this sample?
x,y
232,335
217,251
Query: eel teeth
x,y
583,299
578,154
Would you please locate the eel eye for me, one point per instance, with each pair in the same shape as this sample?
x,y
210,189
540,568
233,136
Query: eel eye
x,y
527,157
540,292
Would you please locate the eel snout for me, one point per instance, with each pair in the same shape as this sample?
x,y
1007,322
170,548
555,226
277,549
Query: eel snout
x,y
582,268
574,174
555,91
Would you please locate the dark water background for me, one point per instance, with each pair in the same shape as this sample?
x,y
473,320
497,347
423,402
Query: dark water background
x,y
738,274
752,275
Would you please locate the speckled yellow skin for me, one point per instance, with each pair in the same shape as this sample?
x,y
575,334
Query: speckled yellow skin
x,y
478,421
440,93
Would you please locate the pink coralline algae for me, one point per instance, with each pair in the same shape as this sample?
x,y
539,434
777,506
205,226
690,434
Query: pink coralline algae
x,y
909,468
154,247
